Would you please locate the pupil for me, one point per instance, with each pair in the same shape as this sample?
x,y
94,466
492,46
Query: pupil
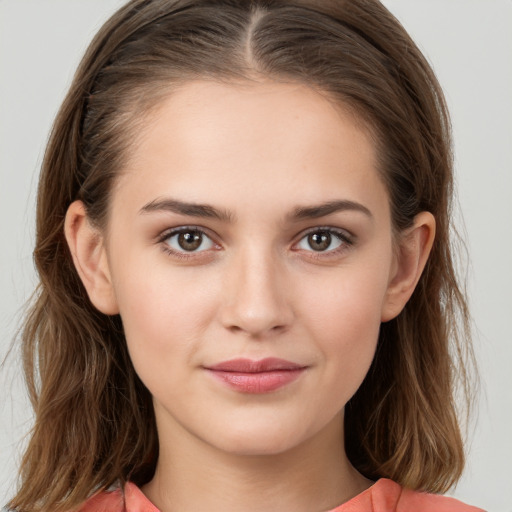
x,y
190,240
319,241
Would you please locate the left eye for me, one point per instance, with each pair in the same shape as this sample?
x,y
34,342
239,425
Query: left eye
x,y
322,240
189,240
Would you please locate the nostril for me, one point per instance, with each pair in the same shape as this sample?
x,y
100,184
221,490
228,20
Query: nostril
x,y
257,331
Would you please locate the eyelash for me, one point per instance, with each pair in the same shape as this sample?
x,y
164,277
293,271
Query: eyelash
x,y
346,241
183,255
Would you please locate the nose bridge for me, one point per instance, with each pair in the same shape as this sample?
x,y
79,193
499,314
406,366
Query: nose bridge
x,y
256,300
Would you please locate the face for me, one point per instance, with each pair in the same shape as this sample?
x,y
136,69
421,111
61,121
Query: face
x,y
250,253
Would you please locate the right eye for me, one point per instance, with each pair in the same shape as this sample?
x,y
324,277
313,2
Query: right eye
x,y
187,240
325,242
322,240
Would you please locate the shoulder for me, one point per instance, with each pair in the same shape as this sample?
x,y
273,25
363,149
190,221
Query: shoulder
x,y
128,499
105,501
424,502
388,496
407,499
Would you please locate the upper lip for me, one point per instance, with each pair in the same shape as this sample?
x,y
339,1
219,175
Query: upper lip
x,y
251,366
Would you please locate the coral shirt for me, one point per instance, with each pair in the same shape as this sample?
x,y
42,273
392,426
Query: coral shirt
x,y
383,496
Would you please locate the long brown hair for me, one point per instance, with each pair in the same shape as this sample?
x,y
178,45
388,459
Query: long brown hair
x,y
94,418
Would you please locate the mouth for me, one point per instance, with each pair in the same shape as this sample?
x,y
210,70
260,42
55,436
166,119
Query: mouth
x,y
263,376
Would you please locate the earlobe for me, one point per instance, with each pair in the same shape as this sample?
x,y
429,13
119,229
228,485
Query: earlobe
x,y
86,245
412,255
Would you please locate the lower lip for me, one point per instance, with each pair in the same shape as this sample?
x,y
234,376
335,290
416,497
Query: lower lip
x,y
260,382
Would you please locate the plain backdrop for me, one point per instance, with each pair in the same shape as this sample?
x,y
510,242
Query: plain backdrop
x,y
468,42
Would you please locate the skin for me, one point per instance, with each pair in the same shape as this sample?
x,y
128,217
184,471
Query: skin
x,y
254,288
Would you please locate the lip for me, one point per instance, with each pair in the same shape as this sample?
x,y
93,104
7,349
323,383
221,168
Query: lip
x,y
261,376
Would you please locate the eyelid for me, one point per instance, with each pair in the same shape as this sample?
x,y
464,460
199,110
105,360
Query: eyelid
x,y
347,240
170,232
342,233
164,235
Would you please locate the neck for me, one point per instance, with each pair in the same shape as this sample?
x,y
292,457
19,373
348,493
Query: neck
x,y
313,476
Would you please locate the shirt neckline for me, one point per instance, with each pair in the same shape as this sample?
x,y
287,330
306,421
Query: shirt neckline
x,y
135,498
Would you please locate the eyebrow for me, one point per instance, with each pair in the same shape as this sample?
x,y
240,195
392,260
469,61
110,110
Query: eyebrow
x,y
314,212
209,211
190,209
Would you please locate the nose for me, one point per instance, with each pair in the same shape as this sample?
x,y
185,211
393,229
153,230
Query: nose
x,y
256,296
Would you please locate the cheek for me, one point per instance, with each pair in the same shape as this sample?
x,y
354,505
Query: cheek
x,y
343,315
347,301
163,312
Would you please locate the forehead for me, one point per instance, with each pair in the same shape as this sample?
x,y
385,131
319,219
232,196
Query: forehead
x,y
266,140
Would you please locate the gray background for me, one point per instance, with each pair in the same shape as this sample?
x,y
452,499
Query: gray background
x,y
469,43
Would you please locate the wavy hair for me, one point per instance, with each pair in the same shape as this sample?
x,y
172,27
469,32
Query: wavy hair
x,y
94,419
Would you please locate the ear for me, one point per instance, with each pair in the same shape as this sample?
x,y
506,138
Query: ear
x,y
86,245
412,255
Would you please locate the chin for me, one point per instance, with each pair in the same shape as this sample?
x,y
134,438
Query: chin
x,y
256,447
265,440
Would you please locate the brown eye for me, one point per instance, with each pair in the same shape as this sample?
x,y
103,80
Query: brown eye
x,y
188,240
324,240
319,241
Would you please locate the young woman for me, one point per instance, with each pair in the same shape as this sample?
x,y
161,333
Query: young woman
x,y
247,296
